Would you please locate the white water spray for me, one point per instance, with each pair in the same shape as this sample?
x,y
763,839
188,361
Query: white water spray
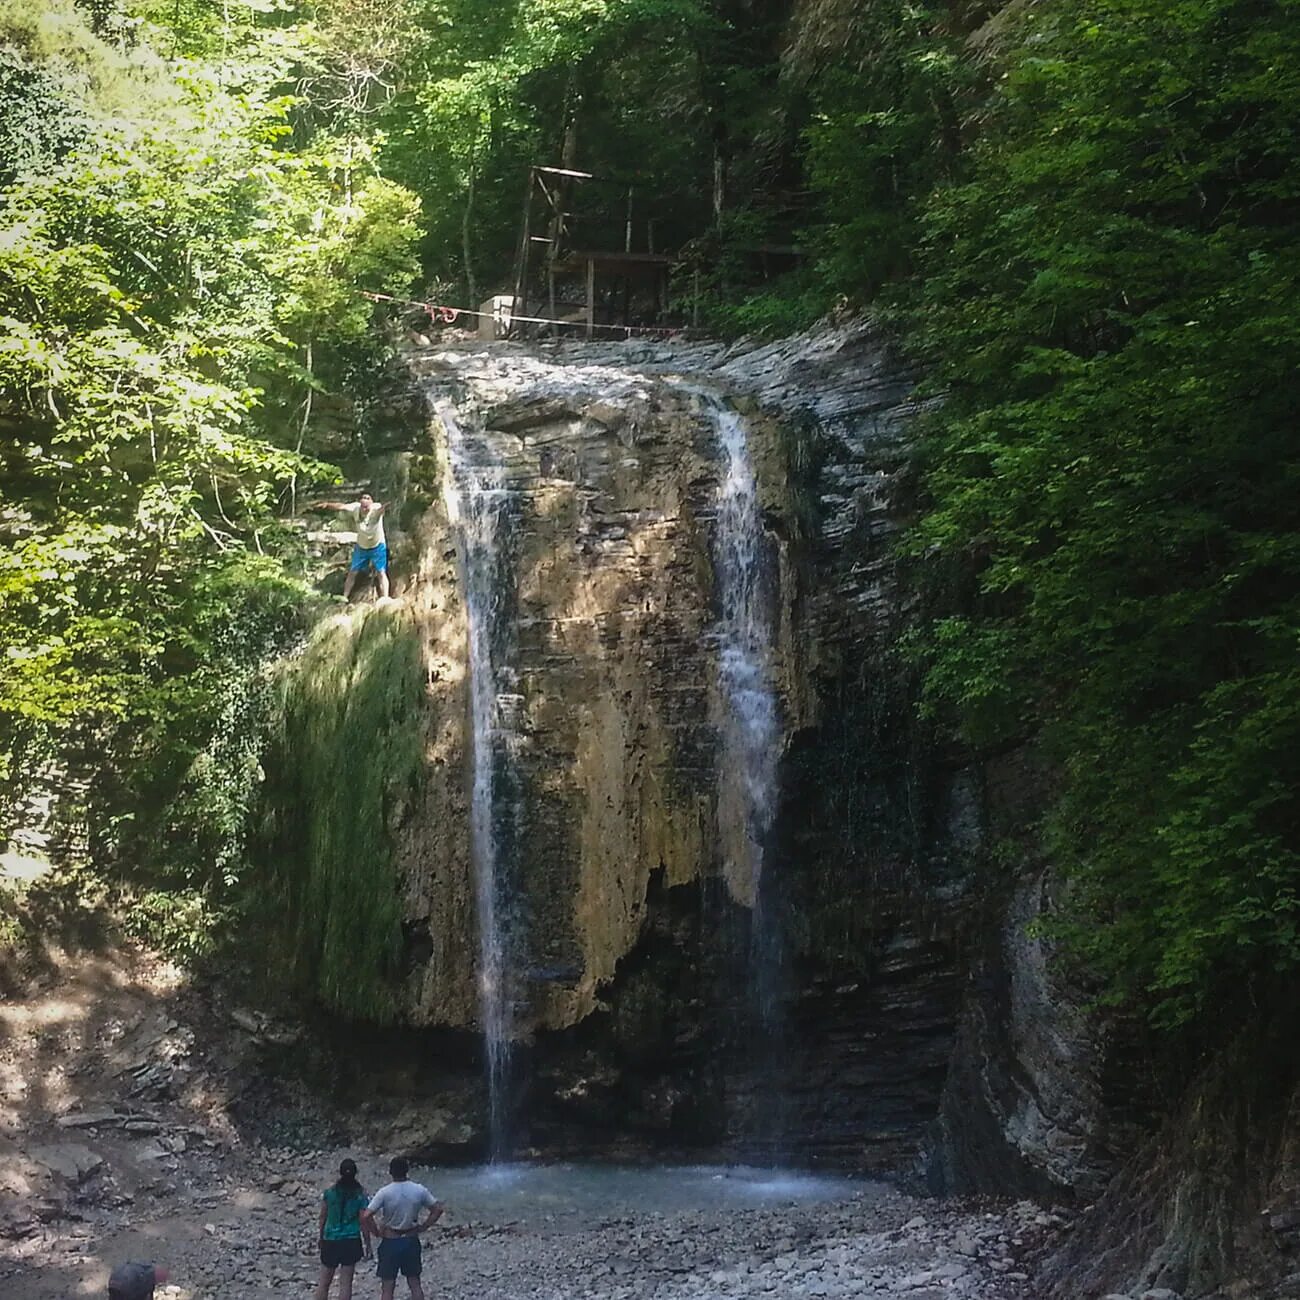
x,y
749,722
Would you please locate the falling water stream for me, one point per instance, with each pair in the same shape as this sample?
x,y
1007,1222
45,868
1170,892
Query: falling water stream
x,y
479,505
750,728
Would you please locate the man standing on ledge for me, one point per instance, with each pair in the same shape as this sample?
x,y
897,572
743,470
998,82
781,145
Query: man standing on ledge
x,y
371,549
393,1215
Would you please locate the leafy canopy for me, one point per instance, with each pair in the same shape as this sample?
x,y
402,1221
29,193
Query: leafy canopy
x,y
178,269
1112,288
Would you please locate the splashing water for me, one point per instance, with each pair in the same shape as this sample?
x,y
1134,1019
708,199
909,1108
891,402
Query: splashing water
x,y
480,504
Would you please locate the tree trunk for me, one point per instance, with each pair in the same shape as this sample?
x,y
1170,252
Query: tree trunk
x,y
467,226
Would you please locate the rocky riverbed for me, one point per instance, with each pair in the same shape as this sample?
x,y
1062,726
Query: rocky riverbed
x,y
117,1141
245,1225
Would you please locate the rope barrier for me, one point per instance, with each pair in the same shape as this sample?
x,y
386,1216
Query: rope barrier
x,y
444,315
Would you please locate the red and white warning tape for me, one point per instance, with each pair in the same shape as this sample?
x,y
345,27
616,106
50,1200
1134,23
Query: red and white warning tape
x,y
444,315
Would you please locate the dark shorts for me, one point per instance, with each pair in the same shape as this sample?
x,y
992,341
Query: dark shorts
x,y
341,1254
375,557
399,1255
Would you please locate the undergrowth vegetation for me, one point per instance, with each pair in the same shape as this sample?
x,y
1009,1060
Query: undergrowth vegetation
x,y
1110,293
179,255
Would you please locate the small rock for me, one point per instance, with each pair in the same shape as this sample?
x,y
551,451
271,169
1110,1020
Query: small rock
x,y
88,1119
951,1271
70,1161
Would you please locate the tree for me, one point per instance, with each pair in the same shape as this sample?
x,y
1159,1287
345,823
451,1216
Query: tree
x,y
1113,294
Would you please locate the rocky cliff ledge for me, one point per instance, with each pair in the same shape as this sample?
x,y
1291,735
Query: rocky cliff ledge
x,y
907,991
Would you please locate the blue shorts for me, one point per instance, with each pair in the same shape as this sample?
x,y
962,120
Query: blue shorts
x,y
374,556
399,1254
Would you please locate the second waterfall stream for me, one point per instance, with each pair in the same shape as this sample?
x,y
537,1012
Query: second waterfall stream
x,y
749,727
485,514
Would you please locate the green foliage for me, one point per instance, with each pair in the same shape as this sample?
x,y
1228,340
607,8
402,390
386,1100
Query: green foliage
x,y
179,260
488,89
882,136
36,125
182,924
346,747
790,303
1113,293
188,762
12,930
1083,213
66,908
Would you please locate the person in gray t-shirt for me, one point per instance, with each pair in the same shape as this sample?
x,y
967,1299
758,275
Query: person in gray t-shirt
x,y
393,1215
134,1281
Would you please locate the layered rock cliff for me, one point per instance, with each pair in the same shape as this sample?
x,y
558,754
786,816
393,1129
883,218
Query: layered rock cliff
x,y
926,1025
629,916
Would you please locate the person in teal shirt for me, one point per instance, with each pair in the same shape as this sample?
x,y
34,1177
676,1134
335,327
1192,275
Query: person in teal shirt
x,y
344,1240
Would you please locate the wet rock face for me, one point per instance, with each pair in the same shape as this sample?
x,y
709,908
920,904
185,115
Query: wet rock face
x,y
627,950
603,675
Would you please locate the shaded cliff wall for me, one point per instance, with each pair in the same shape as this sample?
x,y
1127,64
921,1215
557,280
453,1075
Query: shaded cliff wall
x,y
628,983
611,746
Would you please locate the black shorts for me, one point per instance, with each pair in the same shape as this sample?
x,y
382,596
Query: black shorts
x,y
341,1254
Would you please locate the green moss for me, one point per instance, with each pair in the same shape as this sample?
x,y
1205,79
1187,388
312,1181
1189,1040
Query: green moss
x,y
342,762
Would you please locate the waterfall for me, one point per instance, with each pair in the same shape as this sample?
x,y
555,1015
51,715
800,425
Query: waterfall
x,y
749,724
479,504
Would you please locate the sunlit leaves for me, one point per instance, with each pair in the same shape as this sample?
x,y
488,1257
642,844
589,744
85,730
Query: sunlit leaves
x,y
163,292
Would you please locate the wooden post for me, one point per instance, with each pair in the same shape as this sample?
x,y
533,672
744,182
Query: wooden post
x,y
627,233
520,304
591,296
